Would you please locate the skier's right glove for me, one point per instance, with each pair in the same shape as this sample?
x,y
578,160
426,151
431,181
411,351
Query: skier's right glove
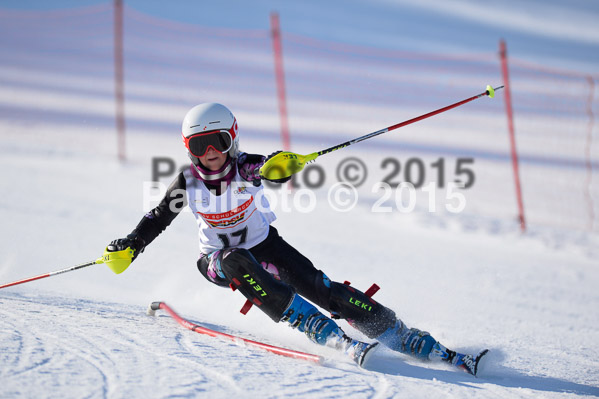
x,y
249,167
132,241
282,180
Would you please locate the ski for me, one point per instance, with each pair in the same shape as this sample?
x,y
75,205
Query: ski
x,y
477,361
154,306
470,363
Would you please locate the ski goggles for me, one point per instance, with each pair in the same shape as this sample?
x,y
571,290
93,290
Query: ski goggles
x,y
198,144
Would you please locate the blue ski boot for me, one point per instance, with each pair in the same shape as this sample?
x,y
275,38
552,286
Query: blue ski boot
x,y
320,329
410,341
421,345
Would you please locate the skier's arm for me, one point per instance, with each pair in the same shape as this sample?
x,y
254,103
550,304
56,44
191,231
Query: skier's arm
x,y
156,221
249,167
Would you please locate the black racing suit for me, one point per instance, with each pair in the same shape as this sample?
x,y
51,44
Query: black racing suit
x,y
289,270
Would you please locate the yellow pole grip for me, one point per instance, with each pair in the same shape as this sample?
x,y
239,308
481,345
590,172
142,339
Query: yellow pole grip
x,y
117,261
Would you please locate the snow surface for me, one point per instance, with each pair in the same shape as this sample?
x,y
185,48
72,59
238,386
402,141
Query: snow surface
x,y
471,279
472,283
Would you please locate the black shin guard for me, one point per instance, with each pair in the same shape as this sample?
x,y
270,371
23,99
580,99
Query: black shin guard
x,y
256,284
362,312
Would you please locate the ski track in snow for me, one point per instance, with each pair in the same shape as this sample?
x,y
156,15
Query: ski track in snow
x,y
53,346
471,280
532,298
74,346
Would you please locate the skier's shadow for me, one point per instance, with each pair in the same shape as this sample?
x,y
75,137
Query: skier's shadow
x,y
494,374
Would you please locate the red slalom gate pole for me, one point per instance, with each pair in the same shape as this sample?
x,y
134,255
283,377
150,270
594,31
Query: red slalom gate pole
x,y
154,306
510,120
280,77
119,92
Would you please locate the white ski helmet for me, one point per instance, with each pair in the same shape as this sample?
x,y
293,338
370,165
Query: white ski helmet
x,y
210,117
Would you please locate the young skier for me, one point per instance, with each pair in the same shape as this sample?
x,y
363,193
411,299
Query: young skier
x,y
242,250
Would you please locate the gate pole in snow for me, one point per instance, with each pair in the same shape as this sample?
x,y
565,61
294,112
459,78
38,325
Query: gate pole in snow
x,y
587,155
280,77
510,122
118,78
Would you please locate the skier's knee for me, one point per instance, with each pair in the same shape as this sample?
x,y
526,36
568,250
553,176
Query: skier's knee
x,y
361,311
209,266
256,284
321,292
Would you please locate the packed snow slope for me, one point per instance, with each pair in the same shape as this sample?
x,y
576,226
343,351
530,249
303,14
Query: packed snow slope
x,y
473,283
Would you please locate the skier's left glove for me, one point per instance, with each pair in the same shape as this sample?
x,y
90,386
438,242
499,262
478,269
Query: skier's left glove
x,y
132,241
249,167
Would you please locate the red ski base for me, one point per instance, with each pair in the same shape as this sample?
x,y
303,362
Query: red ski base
x,y
203,330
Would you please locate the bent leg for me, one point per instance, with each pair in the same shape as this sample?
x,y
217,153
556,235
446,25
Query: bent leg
x,y
245,274
275,298
280,302
293,268
344,301
361,312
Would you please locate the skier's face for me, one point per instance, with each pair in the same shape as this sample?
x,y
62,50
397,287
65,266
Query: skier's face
x,y
213,160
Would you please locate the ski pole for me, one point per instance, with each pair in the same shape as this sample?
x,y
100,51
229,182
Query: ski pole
x,y
70,269
286,163
117,261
